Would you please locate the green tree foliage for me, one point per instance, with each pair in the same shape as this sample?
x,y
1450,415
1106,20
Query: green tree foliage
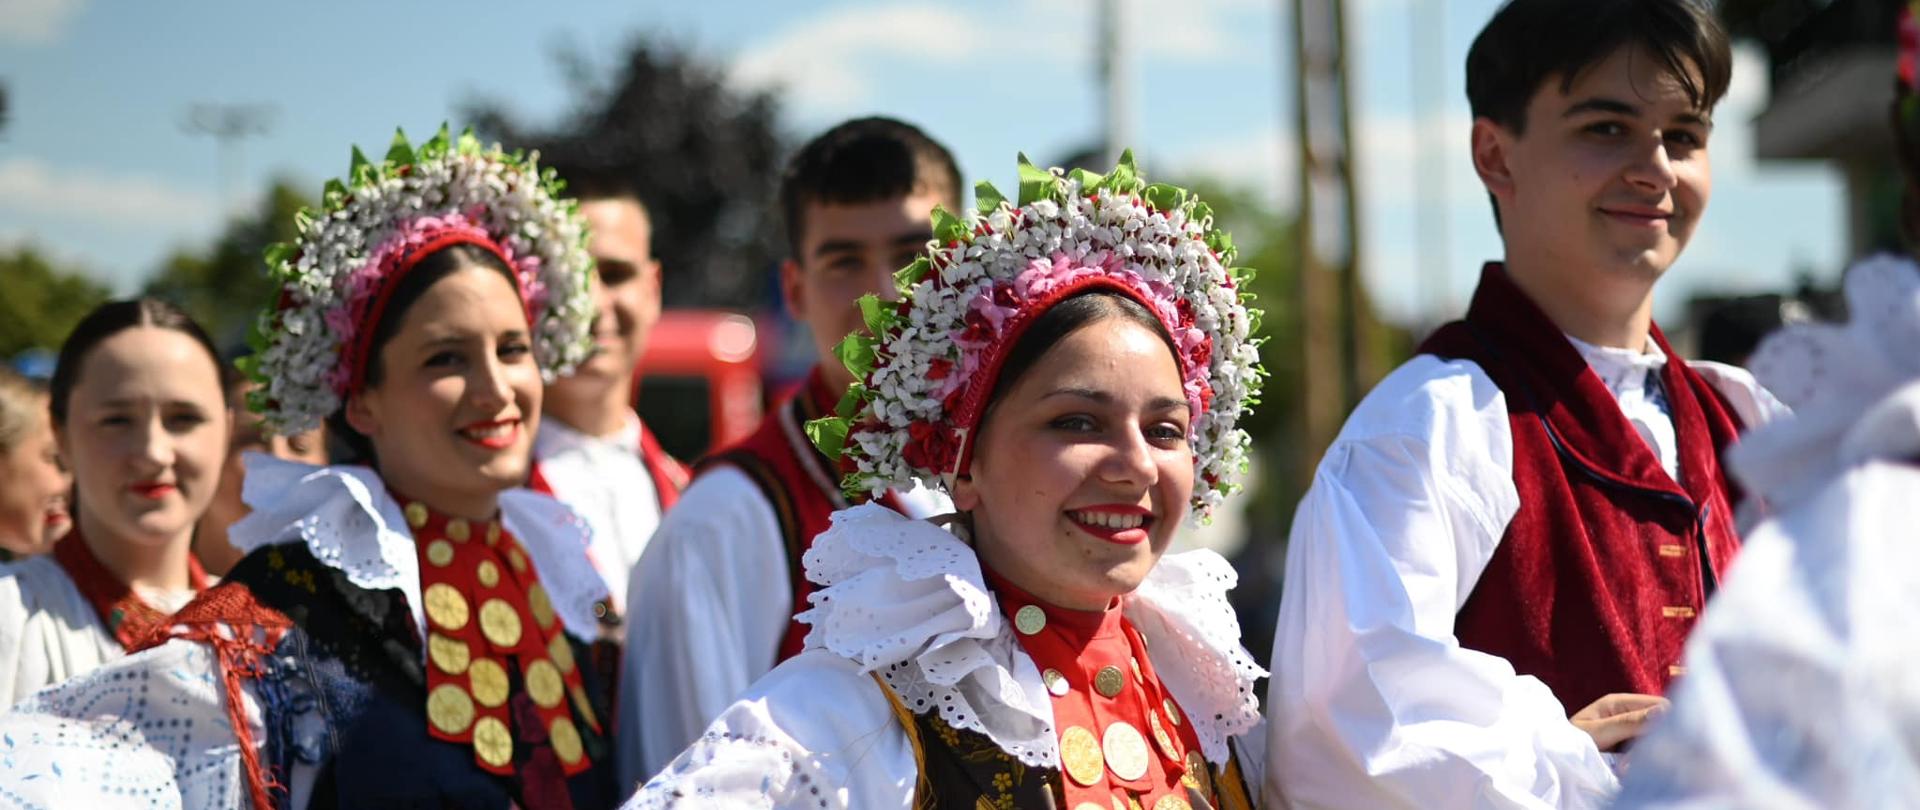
x,y
706,158
40,301
225,285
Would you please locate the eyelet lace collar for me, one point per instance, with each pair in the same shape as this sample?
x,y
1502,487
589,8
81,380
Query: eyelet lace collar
x,y
907,599
348,521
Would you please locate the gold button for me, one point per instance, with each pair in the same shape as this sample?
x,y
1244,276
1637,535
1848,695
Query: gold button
x,y
1677,612
488,573
582,705
1119,805
450,655
1029,620
1108,681
1080,756
489,681
493,534
540,605
1197,776
565,739
440,552
1676,671
459,530
561,651
1672,550
493,742
517,560
1136,670
449,709
416,514
1056,683
543,684
1161,738
1126,750
500,623
1173,710
445,606
1171,802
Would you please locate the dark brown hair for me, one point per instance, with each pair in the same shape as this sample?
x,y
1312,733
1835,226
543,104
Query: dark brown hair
x,y
1064,319
110,319
861,161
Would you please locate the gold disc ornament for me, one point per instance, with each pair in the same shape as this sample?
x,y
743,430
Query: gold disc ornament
x,y
1161,738
517,560
449,709
565,738
544,684
493,534
1056,683
489,681
1172,802
1108,681
440,552
450,655
1126,751
416,514
1029,620
1080,756
540,605
561,651
488,573
493,742
500,623
1173,710
459,530
445,606
1196,776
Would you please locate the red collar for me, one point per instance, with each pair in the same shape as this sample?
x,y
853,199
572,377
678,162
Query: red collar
x,y
501,669
1123,738
128,617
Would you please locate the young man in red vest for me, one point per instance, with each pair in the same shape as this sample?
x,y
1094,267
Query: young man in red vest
x,y
593,452
1491,578
712,605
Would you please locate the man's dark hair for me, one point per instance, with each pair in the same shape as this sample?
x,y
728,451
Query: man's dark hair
x,y
588,183
1529,42
861,161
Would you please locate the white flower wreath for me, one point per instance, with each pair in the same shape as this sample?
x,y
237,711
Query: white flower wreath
x,y
345,249
921,391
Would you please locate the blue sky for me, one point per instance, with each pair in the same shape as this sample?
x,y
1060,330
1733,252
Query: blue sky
x,y
96,168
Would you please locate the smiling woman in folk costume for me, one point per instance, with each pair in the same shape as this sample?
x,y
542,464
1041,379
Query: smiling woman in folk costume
x,y
1071,370
408,633
136,412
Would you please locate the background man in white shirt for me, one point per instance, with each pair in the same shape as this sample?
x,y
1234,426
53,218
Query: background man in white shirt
x,y
1521,523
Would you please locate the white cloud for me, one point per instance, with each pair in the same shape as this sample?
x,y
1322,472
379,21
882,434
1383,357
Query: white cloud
x,y
1263,159
831,62
116,201
36,21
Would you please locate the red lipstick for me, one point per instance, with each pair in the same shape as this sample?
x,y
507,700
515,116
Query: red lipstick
x,y
152,490
1123,524
494,434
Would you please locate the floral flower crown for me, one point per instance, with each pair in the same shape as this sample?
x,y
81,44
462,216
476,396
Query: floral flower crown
x,y
310,347
926,365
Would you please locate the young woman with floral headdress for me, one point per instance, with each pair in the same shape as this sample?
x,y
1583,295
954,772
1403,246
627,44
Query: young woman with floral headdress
x,y
1070,368
409,633
135,410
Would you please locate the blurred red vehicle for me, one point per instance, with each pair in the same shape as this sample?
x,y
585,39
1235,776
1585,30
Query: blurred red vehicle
x,y
699,382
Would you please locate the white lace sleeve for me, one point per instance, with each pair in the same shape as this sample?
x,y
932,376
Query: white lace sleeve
x,y
815,734
1181,609
149,729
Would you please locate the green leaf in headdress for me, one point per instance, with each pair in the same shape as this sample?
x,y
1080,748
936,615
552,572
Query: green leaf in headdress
x,y
401,152
1036,183
438,144
877,314
910,275
1088,181
858,353
986,197
829,434
1165,198
468,144
279,253
947,228
1125,177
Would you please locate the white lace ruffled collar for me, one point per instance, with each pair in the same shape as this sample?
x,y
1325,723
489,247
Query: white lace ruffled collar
x,y
907,599
1854,387
348,521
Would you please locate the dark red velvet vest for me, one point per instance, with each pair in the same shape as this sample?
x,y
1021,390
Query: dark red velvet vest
x,y
801,483
1602,572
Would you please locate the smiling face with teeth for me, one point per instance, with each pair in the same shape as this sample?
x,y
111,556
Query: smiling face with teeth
x,y
452,416
1083,468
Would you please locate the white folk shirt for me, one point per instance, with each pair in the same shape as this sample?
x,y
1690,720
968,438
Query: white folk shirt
x,y
709,603
1374,702
606,481
49,632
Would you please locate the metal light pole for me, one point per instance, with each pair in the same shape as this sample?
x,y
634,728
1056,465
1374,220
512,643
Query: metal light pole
x,y
228,125
1116,78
